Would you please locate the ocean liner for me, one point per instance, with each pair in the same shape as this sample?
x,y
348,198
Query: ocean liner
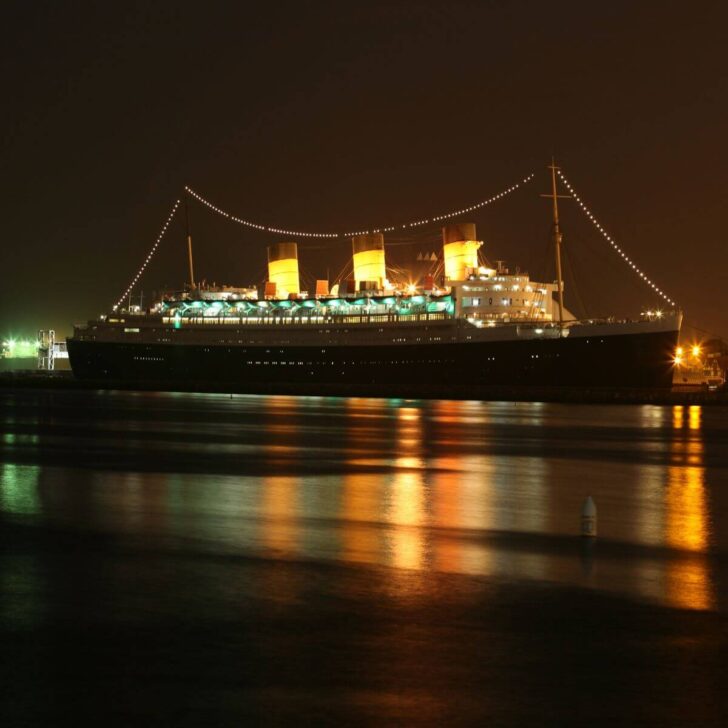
x,y
465,325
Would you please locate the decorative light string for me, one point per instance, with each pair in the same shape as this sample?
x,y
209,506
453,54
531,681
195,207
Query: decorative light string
x,y
614,245
149,256
415,223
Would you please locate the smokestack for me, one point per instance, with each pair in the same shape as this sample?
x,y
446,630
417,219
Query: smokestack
x,y
283,268
369,260
461,250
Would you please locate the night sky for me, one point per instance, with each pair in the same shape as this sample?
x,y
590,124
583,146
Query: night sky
x,y
331,116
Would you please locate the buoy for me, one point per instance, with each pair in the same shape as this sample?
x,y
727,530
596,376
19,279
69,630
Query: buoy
x,y
589,517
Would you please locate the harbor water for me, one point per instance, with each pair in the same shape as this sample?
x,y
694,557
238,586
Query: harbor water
x,y
201,559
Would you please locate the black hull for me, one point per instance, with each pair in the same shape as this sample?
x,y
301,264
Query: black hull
x,y
632,360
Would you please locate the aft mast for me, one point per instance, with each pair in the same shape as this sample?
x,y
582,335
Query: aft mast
x,y
557,236
189,242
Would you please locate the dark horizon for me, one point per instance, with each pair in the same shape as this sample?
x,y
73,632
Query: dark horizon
x,y
311,116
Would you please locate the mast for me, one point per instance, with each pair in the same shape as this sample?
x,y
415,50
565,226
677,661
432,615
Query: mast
x,y
554,195
189,242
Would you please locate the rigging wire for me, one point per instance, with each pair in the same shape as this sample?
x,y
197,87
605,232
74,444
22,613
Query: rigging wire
x,y
404,235
391,228
149,256
614,245
543,269
571,269
589,255
711,334
307,278
345,273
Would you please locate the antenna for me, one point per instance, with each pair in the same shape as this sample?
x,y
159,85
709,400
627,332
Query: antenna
x,y
557,236
189,241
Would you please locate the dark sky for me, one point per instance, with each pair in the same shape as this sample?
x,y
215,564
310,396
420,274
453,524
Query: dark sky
x,y
340,115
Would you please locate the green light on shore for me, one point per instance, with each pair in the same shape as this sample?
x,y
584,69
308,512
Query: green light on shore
x,y
19,349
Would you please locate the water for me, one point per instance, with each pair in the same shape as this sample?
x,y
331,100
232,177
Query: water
x,y
329,560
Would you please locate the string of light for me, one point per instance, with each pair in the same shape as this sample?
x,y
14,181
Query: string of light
x,y
149,256
390,228
614,245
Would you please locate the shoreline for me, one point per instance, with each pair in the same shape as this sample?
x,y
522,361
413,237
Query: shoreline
x,y
64,380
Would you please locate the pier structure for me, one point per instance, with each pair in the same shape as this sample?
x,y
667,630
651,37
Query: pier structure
x,y
50,350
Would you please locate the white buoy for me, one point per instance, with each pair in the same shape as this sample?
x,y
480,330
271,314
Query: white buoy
x,y
589,518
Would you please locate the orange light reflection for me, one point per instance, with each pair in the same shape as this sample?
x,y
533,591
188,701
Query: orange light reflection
x,y
688,580
406,511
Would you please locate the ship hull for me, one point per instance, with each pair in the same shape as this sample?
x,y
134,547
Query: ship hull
x,y
630,360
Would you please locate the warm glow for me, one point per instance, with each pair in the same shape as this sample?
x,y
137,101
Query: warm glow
x,y
407,512
687,521
361,499
284,273
695,351
678,360
280,528
460,258
407,515
677,416
369,266
679,351
687,518
694,414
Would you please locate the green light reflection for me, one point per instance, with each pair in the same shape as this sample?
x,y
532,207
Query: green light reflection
x,y
19,489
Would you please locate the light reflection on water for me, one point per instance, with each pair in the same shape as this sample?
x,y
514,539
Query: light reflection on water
x,y
19,495
19,488
487,489
689,584
404,505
